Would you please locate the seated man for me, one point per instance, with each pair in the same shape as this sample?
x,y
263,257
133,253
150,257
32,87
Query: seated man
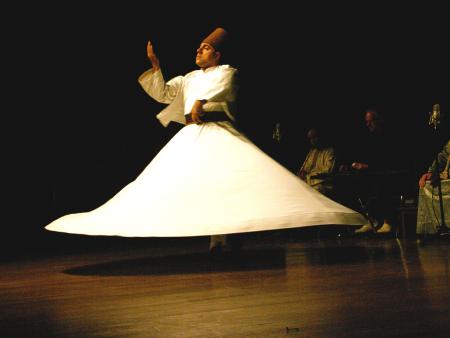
x,y
321,159
377,155
428,213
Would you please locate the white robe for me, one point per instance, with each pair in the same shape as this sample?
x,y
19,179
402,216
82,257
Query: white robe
x,y
217,85
208,179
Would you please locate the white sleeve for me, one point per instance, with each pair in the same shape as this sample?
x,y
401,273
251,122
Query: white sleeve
x,y
154,85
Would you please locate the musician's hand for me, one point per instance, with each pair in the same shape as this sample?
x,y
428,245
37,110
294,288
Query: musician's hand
x,y
423,179
360,166
197,111
152,56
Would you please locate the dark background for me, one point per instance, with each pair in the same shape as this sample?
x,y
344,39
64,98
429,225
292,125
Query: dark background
x,y
78,127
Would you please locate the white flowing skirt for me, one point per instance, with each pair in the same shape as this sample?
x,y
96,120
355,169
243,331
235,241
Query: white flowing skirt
x,y
208,180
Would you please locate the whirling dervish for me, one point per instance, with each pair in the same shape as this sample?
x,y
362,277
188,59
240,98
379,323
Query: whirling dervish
x,y
209,179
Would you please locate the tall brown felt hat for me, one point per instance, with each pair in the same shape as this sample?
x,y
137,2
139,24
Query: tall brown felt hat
x,y
217,38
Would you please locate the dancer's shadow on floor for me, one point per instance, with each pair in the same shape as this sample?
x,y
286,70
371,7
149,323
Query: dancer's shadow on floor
x,y
188,263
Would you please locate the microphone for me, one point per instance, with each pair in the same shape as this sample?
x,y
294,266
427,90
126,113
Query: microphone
x,y
435,116
276,134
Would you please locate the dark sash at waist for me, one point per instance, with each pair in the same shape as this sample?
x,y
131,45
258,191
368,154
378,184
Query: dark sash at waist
x,y
210,116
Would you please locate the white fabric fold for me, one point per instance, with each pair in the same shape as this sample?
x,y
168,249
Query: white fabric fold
x,y
209,179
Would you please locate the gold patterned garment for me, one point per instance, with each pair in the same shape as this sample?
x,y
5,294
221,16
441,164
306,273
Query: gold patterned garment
x,y
428,211
319,161
443,158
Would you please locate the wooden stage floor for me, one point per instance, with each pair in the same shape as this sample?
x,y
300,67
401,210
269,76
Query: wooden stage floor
x,y
278,285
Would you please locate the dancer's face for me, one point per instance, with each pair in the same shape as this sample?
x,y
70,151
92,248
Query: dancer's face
x,y
207,56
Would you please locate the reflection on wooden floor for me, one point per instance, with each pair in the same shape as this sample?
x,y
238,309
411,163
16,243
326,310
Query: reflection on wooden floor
x,y
315,288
